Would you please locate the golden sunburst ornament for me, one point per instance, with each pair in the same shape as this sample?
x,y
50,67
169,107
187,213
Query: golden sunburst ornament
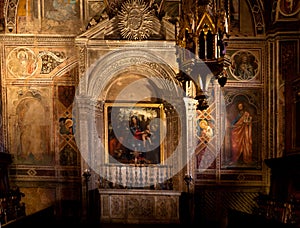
x,y
135,20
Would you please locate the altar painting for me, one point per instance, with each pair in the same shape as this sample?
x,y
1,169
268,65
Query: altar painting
x,y
133,133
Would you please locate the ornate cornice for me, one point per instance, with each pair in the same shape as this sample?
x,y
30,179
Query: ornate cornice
x,y
36,39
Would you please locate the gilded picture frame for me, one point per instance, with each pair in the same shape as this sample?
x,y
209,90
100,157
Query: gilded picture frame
x,y
134,133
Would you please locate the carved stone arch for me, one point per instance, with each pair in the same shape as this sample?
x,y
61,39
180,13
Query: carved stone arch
x,y
65,68
101,78
138,62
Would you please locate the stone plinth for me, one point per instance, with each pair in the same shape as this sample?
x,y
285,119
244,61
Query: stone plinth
x,y
139,206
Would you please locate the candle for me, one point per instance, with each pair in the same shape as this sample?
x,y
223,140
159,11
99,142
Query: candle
x,y
226,24
216,47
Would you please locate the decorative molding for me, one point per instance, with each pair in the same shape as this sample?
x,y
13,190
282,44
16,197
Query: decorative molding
x,y
138,61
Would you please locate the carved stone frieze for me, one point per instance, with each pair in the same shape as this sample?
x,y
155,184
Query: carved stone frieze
x,y
139,206
117,206
82,55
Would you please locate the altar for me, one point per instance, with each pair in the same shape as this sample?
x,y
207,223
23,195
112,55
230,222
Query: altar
x,y
139,206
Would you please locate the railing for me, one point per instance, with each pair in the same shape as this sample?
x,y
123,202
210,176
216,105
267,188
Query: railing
x,y
136,176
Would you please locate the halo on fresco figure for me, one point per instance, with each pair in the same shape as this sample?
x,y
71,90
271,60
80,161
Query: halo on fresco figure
x,y
22,62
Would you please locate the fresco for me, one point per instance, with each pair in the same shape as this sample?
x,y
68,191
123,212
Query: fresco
x,y
242,144
244,65
206,134
61,16
32,132
22,62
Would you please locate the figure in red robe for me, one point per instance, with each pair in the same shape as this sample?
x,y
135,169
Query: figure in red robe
x,y
241,136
